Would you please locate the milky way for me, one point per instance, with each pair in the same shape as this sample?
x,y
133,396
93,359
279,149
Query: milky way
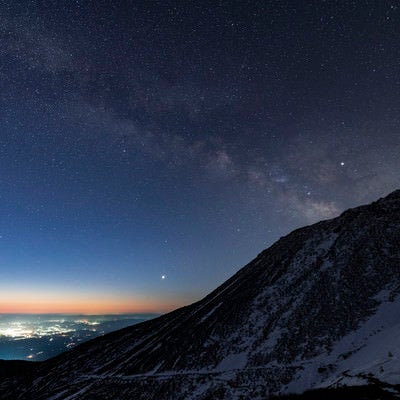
x,y
152,139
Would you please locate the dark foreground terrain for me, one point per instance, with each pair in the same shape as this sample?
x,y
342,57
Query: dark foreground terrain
x,y
368,392
319,308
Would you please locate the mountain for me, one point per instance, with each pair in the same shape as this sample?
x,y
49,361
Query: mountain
x,y
318,309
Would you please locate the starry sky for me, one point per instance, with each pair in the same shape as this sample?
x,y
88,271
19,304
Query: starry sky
x,y
148,150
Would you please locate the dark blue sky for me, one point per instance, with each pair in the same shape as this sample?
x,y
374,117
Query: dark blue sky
x,y
142,139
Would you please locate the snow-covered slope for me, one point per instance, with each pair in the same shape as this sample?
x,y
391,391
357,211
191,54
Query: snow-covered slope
x,y
319,308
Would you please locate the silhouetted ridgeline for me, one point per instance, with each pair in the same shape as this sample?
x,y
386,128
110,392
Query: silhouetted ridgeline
x,y
319,308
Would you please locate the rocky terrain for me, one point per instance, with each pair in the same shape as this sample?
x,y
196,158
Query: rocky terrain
x,y
318,309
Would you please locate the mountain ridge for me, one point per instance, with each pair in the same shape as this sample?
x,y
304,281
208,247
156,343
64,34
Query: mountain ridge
x,y
293,319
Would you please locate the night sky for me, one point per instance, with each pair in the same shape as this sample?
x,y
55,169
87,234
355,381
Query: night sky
x,y
149,149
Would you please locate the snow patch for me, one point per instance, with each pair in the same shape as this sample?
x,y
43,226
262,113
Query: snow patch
x,y
232,361
371,350
210,312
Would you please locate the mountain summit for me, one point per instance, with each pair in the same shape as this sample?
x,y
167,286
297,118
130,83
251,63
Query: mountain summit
x,y
319,308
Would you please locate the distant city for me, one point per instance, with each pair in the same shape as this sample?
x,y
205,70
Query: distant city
x,y
38,337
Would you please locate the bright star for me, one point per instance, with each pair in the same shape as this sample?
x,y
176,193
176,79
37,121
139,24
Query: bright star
x,y
163,276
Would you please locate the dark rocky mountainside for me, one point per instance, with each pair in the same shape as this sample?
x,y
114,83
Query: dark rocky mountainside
x,y
319,308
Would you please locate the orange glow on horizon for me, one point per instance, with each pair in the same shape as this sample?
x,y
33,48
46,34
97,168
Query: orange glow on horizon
x,y
50,303
98,308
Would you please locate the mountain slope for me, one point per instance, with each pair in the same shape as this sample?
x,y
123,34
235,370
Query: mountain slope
x,y
319,308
